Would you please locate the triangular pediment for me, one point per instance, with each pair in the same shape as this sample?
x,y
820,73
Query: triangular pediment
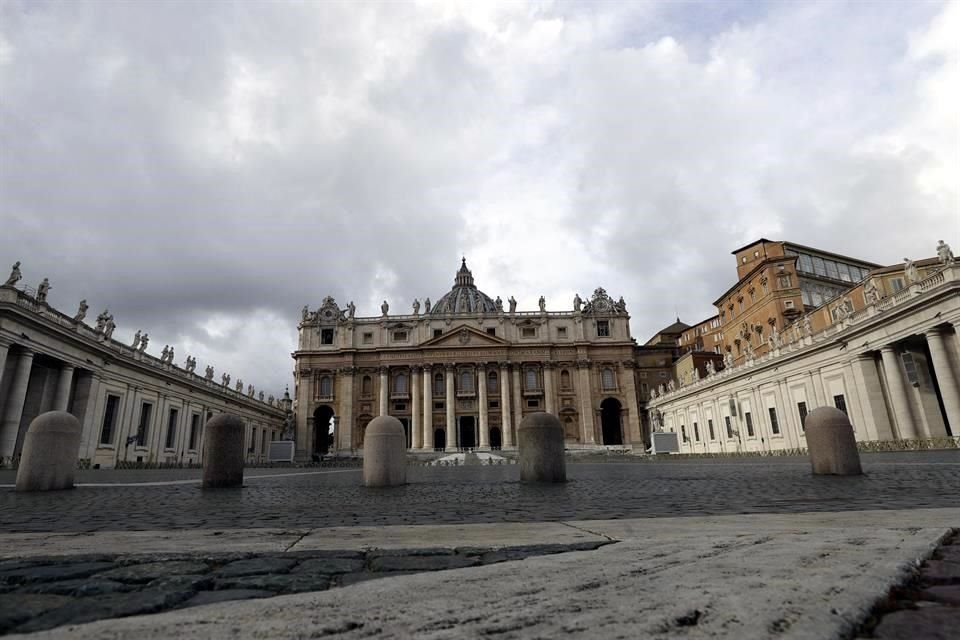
x,y
464,336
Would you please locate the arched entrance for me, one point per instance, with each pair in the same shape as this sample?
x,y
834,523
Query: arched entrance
x,y
322,430
610,410
495,440
439,440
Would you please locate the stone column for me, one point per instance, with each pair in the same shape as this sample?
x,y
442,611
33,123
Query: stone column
x,y
549,395
427,408
898,395
344,426
62,399
517,394
634,432
92,418
10,426
506,430
584,392
451,406
870,394
947,382
416,437
4,349
484,418
384,389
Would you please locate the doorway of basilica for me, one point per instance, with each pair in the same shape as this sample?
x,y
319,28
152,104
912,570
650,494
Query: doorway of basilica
x,y
468,432
610,411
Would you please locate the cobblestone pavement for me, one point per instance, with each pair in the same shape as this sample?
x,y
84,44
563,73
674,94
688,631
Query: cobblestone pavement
x,y
928,607
43,593
301,498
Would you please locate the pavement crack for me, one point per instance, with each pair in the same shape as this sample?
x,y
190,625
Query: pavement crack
x,y
594,533
297,541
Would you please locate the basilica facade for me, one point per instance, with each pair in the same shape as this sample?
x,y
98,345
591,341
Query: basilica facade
x,y
464,372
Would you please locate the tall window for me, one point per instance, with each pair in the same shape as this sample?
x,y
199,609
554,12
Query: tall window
x,y
194,431
749,420
143,428
326,386
400,383
774,423
608,379
438,389
683,432
840,403
802,411
109,419
326,336
603,328
466,380
492,382
696,432
366,386
713,436
530,380
726,420
171,429
565,380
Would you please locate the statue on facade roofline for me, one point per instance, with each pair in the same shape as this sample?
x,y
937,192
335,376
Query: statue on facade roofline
x,y
144,341
351,310
944,253
208,373
671,385
385,308
513,304
108,328
239,385
498,303
250,390
543,304
621,305
164,353
653,393
910,271
42,290
871,292
416,306
190,364
807,326
136,340
82,311
170,356
225,379
260,396
305,313
710,368
577,302
15,275
427,305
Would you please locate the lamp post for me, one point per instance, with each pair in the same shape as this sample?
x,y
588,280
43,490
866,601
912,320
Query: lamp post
x,y
287,404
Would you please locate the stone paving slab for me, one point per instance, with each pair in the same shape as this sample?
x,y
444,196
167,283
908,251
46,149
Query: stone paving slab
x,y
467,495
809,582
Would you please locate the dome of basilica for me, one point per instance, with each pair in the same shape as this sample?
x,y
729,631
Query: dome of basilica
x,y
464,297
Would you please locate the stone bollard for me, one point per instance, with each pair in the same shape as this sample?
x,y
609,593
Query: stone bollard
x,y
540,443
832,446
50,451
384,453
223,452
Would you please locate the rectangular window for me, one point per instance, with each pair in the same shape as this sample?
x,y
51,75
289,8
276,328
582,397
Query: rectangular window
x,y
844,272
683,432
491,331
109,419
840,403
437,333
819,267
561,332
726,420
774,425
713,436
528,332
696,432
603,328
494,404
895,284
399,336
399,406
194,431
784,281
910,368
802,411
832,271
438,405
171,429
143,426
804,263
326,336
533,404
367,337
749,420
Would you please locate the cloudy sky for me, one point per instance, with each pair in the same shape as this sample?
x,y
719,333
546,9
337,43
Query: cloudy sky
x,y
205,169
